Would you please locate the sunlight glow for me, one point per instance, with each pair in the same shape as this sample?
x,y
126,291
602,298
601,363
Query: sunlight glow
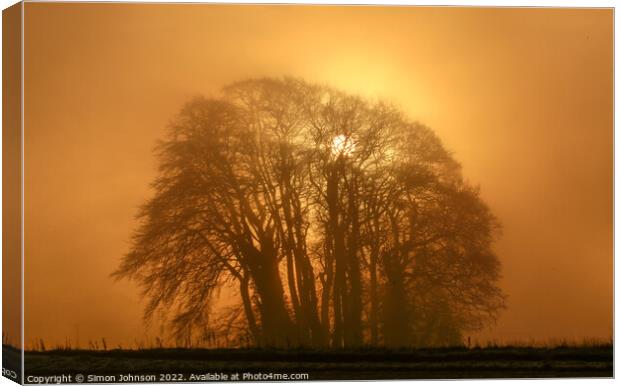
x,y
342,145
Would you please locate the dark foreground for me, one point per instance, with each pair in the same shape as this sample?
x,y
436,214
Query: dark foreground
x,y
186,365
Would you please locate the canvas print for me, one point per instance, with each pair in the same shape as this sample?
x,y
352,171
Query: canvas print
x,y
204,192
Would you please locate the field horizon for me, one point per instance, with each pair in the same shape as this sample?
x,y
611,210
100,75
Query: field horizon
x,y
187,365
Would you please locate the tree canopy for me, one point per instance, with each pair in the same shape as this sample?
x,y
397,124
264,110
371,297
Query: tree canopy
x,y
338,221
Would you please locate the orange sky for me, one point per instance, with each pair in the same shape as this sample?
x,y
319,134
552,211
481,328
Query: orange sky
x,y
522,97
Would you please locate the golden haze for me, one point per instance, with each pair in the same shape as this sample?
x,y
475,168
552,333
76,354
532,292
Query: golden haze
x,y
522,97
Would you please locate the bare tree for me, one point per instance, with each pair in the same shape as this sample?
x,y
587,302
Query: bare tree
x,y
339,221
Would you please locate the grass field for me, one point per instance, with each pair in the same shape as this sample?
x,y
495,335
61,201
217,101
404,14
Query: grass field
x,y
437,363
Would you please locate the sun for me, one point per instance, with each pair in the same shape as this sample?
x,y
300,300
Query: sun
x,y
342,145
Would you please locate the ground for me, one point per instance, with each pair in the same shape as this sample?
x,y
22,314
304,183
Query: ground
x,y
439,363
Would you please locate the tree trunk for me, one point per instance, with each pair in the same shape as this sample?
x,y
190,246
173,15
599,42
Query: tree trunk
x,y
277,327
337,235
395,315
353,326
249,312
374,320
328,282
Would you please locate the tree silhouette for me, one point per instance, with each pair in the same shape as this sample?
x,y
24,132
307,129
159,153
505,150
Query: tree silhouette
x,y
339,222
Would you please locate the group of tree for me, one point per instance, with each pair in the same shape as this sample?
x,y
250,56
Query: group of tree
x,y
338,222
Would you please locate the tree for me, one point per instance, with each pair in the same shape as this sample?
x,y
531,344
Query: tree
x,y
340,223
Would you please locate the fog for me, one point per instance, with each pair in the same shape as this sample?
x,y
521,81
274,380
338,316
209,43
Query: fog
x,y
521,97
